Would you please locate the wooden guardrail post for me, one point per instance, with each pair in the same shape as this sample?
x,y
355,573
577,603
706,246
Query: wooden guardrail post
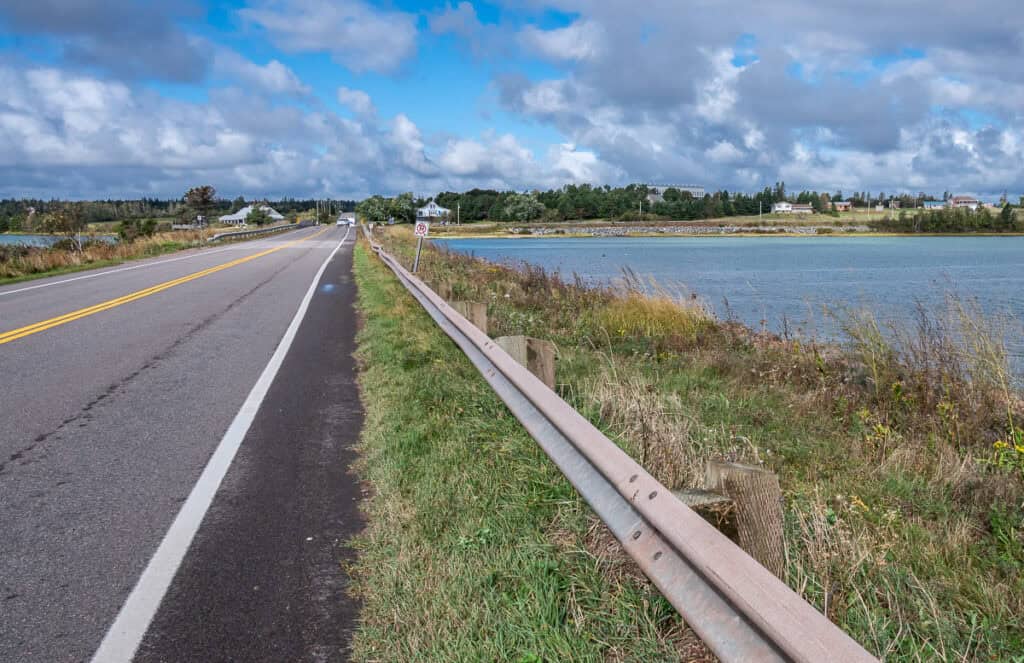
x,y
537,355
444,290
475,312
758,499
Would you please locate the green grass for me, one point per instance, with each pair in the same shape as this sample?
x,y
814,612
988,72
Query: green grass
x,y
894,528
477,547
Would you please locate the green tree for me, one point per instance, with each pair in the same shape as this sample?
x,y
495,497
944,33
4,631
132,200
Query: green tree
x,y
402,208
373,210
258,216
199,200
523,207
1006,217
237,204
66,220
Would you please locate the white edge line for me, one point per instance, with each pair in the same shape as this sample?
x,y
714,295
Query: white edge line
x,y
125,634
120,269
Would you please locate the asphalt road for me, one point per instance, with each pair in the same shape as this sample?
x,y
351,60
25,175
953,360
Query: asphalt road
x,y
108,418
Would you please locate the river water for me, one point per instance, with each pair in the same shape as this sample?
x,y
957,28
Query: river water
x,y
46,240
786,282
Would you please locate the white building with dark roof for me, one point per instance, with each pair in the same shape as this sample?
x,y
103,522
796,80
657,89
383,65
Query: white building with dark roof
x,y
431,211
239,217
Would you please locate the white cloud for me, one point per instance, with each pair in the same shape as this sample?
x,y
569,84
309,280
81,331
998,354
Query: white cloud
x,y
582,40
272,77
357,100
723,152
356,34
717,96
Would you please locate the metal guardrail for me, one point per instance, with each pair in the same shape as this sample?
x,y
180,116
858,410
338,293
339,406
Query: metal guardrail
x,y
738,608
258,231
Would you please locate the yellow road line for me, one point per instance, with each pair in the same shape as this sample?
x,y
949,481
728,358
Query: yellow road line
x,y
28,330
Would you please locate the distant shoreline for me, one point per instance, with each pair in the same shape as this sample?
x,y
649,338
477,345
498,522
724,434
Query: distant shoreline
x,y
588,234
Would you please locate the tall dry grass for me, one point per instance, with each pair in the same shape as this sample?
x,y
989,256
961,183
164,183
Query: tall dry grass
x,y
16,261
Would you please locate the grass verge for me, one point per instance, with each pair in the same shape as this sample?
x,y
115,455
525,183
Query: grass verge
x,y
22,263
902,464
477,548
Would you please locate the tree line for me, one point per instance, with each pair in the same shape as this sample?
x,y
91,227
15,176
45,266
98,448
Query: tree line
x,y
32,215
955,220
576,202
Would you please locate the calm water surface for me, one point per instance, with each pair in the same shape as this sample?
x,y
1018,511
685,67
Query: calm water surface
x,y
45,240
777,279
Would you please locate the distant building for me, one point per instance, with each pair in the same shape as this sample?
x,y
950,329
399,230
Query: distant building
x,y
785,207
656,192
431,211
842,205
239,217
934,204
965,201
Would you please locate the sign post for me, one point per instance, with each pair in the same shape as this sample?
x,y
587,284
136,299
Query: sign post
x,y
421,230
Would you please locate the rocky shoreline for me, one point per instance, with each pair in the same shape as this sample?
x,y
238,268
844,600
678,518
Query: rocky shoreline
x,y
612,231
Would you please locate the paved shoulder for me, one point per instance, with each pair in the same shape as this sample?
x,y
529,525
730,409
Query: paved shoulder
x,y
264,578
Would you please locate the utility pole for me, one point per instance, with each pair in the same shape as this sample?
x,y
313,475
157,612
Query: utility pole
x,y
458,214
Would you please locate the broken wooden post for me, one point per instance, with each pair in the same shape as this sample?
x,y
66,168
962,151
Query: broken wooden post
x,y
536,355
758,500
444,290
717,509
475,312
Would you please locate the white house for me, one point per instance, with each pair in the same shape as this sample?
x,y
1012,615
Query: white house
x,y
784,207
965,201
842,205
239,217
431,211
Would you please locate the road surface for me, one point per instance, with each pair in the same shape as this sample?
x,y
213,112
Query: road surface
x,y
141,505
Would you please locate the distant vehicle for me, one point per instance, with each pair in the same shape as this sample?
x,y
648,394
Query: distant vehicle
x,y
340,221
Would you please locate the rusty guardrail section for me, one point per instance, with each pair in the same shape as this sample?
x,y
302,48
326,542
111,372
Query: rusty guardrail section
x,y
736,606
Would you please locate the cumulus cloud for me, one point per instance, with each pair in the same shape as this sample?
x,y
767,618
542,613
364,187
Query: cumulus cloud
x,y
357,100
356,34
746,100
582,40
128,38
273,77
728,97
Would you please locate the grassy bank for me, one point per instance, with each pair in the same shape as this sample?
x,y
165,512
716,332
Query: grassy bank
x,y
23,263
477,548
902,464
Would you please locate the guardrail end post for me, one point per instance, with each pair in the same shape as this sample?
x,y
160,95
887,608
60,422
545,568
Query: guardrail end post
x,y
475,312
759,518
537,355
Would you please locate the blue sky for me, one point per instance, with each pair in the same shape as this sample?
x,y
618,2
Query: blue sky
x,y
124,98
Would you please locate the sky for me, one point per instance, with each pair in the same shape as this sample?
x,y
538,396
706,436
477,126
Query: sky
x,y
347,98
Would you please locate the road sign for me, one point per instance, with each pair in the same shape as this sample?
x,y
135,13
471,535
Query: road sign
x,y
422,229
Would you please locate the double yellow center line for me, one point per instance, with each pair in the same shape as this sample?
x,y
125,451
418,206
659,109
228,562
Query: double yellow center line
x,y
28,330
